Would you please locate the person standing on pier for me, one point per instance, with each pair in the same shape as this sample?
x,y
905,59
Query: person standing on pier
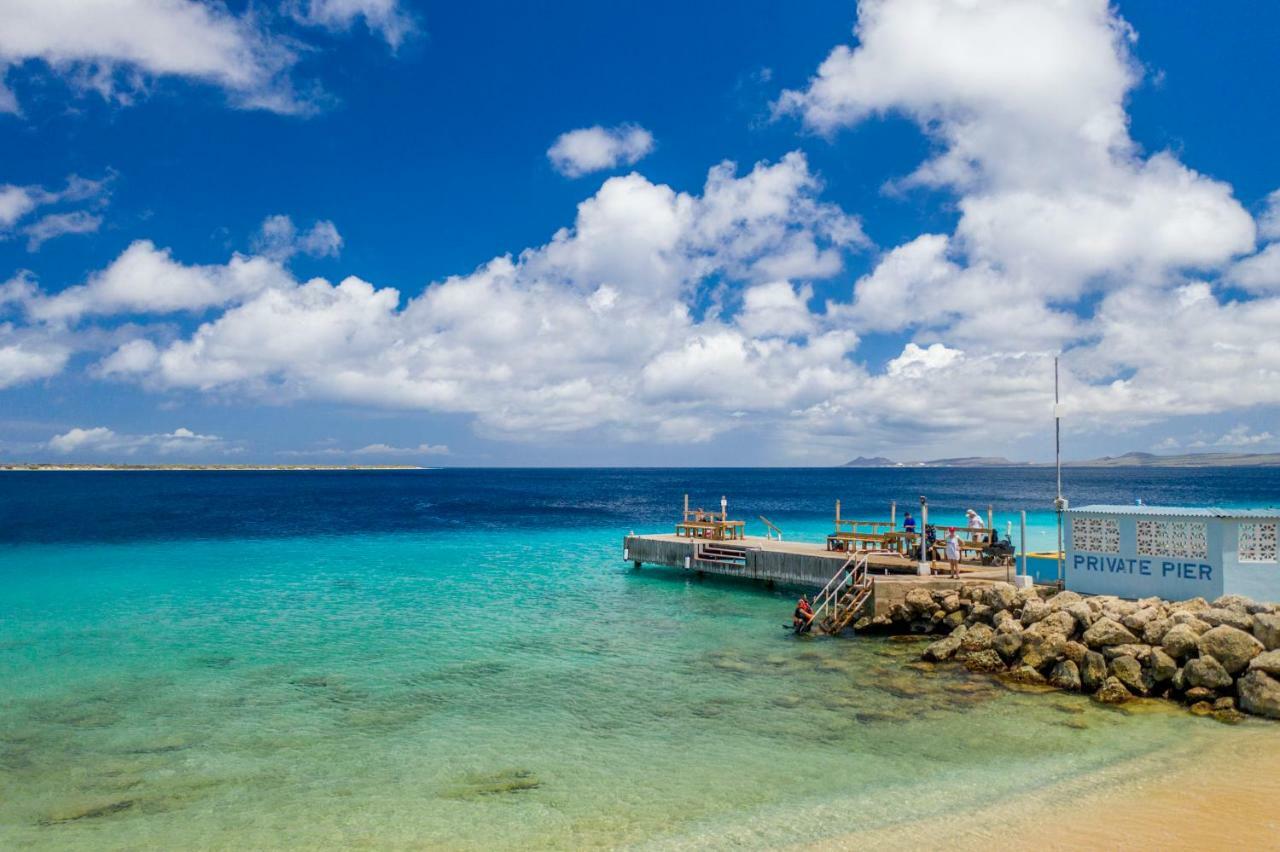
x,y
953,551
975,520
908,522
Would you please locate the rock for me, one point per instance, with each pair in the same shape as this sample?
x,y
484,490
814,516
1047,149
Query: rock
x,y
1002,596
1199,693
1234,602
1239,619
1042,644
1075,651
1062,600
1081,612
980,612
1179,680
1033,611
1161,665
920,601
942,650
1154,631
1230,646
1202,708
1062,621
1007,645
985,660
1228,717
1207,672
1193,605
1129,672
1024,674
1105,631
977,638
1066,675
1268,663
1006,623
1226,702
1191,621
954,619
1112,691
951,603
1180,641
1139,652
901,612
1260,694
1138,620
1094,670
1266,627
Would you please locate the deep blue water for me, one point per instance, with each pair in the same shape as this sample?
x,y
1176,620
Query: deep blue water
x,y
168,505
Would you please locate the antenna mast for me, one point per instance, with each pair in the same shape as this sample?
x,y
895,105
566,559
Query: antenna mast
x,y
1059,503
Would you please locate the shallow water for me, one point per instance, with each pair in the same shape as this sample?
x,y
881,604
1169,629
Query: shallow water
x,y
509,686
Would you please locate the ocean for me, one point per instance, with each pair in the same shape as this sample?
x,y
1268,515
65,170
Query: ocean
x,y
461,659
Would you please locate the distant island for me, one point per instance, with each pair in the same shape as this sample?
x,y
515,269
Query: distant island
x,y
54,467
1134,459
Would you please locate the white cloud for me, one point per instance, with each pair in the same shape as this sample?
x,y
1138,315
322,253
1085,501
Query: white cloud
x,y
17,202
279,239
1241,436
384,17
100,439
27,355
59,224
1269,220
593,149
388,450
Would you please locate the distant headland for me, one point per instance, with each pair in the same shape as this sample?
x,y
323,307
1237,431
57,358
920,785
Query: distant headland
x,y
56,467
1134,459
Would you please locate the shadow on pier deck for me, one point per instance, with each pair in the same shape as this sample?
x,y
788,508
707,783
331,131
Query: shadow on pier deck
x,y
793,563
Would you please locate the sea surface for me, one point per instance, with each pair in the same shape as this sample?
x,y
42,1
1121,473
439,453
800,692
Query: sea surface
x,y
461,659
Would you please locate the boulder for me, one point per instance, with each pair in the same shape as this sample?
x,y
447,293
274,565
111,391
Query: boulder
x,y
1093,671
1002,596
1075,651
1191,621
1180,641
1106,631
1033,611
1266,627
1066,675
1042,644
944,649
985,660
1024,674
1234,602
1061,621
1230,646
951,603
1161,665
1202,708
1260,694
1007,645
977,638
920,601
1138,652
1138,620
1267,662
1129,672
1191,605
1081,612
1237,618
1226,702
1179,680
1112,691
1199,693
980,612
1062,600
954,619
1004,622
1154,630
1207,672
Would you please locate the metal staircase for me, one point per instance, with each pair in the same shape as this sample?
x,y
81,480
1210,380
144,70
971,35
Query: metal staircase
x,y
719,553
844,596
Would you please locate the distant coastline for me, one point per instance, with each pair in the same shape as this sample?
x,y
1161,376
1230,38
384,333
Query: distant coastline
x,y
195,467
1127,460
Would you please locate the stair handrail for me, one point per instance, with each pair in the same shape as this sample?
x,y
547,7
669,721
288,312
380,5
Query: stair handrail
x,y
832,592
771,528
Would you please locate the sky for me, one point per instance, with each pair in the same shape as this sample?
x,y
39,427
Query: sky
x,y
659,233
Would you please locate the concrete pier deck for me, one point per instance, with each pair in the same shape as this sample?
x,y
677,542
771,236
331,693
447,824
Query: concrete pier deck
x,y
798,563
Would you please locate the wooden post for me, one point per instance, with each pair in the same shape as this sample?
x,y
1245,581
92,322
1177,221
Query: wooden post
x,y
893,514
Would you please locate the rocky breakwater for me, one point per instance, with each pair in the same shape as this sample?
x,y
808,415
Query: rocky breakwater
x,y
1221,658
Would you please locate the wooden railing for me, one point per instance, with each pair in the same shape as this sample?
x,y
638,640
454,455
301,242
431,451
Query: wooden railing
x,y
770,528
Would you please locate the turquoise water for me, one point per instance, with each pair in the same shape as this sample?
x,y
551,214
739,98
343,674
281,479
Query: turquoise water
x,y
500,687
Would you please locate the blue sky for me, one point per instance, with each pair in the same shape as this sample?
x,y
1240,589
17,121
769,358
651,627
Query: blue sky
x,y
822,306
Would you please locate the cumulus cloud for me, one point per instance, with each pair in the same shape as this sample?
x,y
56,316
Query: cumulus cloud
x,y
389,450
593,149
279,239
117,47
18,202
99,439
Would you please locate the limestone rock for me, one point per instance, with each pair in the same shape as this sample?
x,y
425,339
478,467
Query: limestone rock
x,y
977,638
1081,612
1062,621
920,601
1180,641
1162,666
1139,652
1025,674
1192,605
1153,631
951,603
1268,662
985,660
1002,596
1230,646
1033,611
1106,632
1239,619
1112,691
954,619
1226,702
1094,670
1129,672
1062,600
1066,675
1260,694
1191,621
1202,708
1199,693
1266,627
945,648
1138,620
1042,644
1075,651
1207,672
1007,645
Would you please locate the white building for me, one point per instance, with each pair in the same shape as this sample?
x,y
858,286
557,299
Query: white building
x,y
1172,553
